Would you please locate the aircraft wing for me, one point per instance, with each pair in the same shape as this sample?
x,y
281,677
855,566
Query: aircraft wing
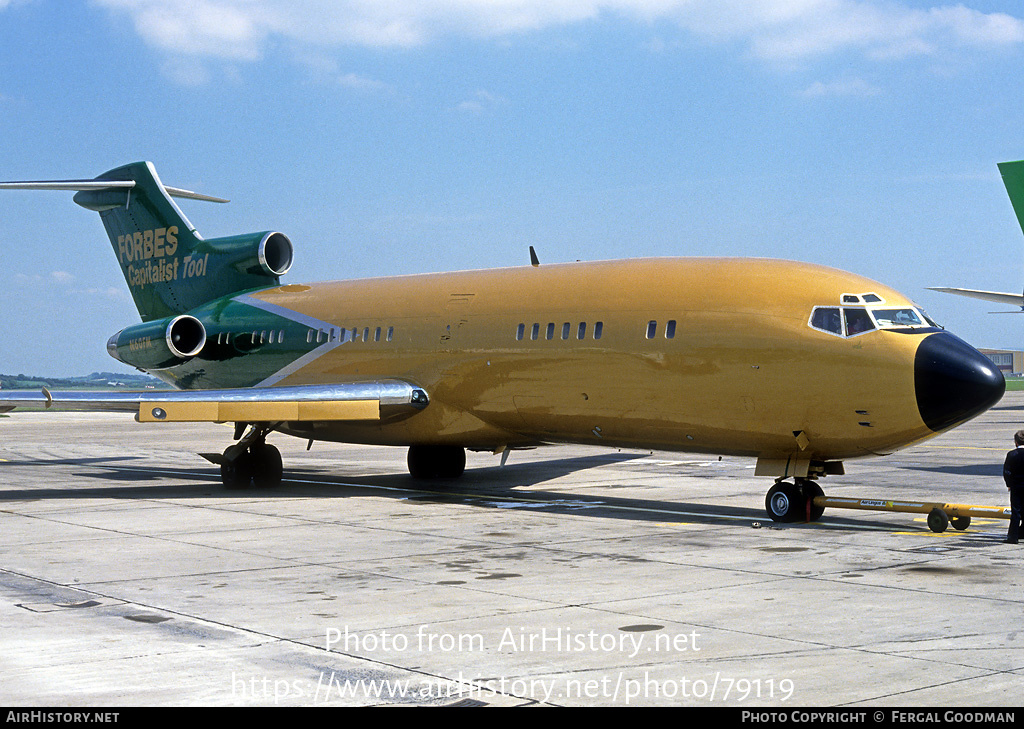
x,y
366,401
1013,299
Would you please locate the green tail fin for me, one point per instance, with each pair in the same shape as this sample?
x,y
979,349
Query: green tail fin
x,y
1013,178
170,269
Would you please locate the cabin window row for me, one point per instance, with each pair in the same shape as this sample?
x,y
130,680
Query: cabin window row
x,y
263,336
669,331
582,330
355,334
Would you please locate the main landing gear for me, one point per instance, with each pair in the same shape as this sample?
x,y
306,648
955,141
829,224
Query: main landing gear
x,y
436,461
788,502
251,462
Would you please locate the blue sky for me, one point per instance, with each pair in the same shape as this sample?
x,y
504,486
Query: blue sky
x,y
399,137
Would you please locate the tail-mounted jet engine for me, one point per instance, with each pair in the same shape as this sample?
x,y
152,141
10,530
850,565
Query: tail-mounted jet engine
x,y
158,344
266,254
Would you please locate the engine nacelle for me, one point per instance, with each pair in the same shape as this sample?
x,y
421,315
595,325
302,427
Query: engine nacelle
x,y
155,345
263,254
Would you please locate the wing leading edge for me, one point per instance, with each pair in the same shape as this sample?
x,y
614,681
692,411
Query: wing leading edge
x,y
357,401
996,296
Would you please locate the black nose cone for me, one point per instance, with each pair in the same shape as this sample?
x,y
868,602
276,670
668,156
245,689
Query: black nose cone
x,y
953,381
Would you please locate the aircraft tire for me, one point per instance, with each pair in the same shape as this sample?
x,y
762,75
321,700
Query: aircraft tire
x,y
421,463
430,462
785,502
267,468
237,474
453,461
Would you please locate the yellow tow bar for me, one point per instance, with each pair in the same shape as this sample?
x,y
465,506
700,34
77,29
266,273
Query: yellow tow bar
x,y
940,516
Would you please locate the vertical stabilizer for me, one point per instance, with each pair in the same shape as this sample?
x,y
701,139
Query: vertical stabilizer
x,y
154,242
170,268
1013,178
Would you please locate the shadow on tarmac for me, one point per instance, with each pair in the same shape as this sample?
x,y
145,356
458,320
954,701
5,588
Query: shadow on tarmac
x,y
493,487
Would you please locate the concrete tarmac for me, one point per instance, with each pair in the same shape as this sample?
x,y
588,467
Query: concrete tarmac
x,y
570,576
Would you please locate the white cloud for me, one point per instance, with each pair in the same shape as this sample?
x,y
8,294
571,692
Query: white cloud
x,y
785,30
54,277
480,102
233,29
112,293
843,87
60,283
325,70
361,83
801,29
185,71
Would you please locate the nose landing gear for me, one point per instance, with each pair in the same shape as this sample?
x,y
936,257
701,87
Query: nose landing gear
x,y
789,502
803,500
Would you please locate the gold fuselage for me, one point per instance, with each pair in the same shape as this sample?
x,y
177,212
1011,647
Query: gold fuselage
x,y
744,373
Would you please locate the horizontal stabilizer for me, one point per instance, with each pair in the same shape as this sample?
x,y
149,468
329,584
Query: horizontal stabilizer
x,y
1000,298
87,185
178,192
67,185
304,403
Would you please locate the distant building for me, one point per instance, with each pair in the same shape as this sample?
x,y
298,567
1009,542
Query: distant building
x,y
1009,361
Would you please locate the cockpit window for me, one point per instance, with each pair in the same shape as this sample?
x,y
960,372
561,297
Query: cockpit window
x,y
827,318
849,321
897,318
857,321
931,322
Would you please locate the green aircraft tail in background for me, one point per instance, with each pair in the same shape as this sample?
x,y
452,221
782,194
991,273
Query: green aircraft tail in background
x,y
1013,179
170,268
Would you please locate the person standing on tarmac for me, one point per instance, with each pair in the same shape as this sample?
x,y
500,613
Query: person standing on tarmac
x,y
1013,475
